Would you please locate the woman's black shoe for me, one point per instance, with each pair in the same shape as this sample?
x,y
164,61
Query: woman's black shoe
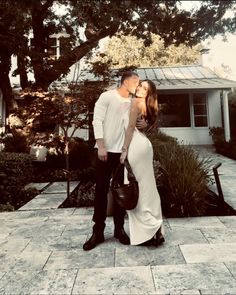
x,y
158,239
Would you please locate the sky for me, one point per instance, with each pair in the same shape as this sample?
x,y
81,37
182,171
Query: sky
x,y
220,52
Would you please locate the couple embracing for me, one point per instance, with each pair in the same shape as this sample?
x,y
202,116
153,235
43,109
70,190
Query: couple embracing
x,y
118,124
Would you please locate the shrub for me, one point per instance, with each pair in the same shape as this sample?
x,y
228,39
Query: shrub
x,y
82,197
15,172
15,143
217,134
81,163
223,147
182,178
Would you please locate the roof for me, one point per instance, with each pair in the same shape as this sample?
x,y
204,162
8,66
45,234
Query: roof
x,y
179,77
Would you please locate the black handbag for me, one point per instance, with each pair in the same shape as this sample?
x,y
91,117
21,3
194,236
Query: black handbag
x,y
126,195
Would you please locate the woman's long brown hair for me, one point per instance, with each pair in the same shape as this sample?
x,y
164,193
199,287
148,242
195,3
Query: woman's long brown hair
x,y
151,104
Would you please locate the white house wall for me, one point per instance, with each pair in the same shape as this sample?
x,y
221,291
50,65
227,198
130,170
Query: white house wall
x,y
193,136
200,135
214,109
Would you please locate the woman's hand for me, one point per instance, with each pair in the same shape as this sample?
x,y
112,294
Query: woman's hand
x,y
123,157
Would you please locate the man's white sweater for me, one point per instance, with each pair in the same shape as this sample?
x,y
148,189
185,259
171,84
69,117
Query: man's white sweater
x,y
108,119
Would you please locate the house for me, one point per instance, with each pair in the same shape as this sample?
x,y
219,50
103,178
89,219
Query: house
x,y
191,99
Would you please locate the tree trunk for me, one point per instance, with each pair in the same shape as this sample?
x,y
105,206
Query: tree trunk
x,y
39,45
5,84
67,165
24,83
44,78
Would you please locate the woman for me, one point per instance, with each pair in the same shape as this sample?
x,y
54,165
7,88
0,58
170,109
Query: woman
x,y
145,221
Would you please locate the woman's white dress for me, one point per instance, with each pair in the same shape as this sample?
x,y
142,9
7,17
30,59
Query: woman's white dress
x,y
146,218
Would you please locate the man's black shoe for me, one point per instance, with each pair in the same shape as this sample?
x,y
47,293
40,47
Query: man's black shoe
x,y
121,235
95,239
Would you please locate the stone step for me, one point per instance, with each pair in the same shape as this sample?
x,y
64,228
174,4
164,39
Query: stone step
x,y
51,197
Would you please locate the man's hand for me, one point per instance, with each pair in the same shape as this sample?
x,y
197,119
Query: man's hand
x,y
102,154
141,123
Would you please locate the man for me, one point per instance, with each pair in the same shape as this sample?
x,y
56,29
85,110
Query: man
x,y
109,134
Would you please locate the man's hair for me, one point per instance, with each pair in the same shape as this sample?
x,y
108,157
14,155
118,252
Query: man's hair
x,y
127,75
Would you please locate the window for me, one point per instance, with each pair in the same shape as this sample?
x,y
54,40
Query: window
x,y
52,48
200,110
65,45
174,110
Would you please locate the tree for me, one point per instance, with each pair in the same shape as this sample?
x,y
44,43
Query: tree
x,y
95,20
130,51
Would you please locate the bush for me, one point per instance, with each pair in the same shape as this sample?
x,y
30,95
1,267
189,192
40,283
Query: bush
x,y
223,147
81,163
182,178
82,197
15,172
217,134
15,143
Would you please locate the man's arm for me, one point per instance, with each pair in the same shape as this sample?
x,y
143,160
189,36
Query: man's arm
x,y
98,120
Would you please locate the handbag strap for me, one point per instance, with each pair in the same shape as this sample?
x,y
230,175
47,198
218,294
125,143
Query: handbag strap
x,y
129,169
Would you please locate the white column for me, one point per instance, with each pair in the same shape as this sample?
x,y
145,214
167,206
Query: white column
x,y
226,115
58,53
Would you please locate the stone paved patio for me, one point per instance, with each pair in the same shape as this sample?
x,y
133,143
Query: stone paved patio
x,y
41,253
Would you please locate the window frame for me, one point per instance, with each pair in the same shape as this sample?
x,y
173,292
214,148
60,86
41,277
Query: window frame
x,y
192,104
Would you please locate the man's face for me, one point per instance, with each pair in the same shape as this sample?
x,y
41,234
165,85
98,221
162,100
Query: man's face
x,y
132,83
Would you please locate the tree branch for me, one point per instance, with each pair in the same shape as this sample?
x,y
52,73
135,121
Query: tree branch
x,y
62,65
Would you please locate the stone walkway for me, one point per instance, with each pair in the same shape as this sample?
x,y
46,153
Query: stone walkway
x,y
51,197
41,253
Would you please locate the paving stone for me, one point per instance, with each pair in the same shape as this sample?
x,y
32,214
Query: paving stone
x,y
41,230
14,281
184,236
7,261
13,244
83,227
60,187
31,260
221,252
224,291
188,292
37,185
51,282
219,235
196,222
45,201
72,220
118,280
80,259
143,256
228,221
3,236
232,268
183,277
53,243
84,211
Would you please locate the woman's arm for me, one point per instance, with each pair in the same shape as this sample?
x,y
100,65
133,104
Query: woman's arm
x,y
134,113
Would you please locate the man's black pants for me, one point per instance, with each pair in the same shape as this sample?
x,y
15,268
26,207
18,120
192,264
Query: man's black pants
x,y
104,172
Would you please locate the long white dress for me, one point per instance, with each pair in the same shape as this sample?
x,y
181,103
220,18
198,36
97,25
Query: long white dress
x,y
146,218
